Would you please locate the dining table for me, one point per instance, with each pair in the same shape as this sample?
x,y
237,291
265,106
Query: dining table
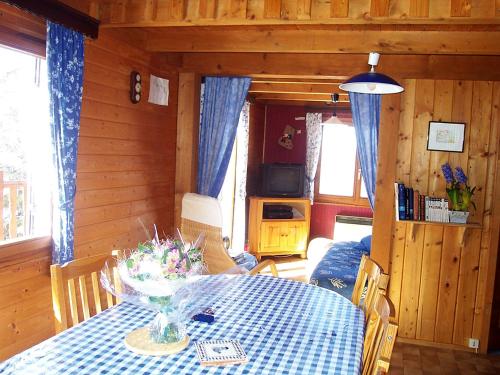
x,y
284,326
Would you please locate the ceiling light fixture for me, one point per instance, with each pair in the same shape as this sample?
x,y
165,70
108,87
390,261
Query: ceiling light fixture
x,y
372,82
334,120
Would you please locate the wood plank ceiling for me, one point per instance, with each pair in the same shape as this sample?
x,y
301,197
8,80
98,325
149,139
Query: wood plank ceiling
x,y
333,28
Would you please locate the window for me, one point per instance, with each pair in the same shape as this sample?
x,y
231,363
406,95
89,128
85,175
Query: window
x,y
338,179
25,153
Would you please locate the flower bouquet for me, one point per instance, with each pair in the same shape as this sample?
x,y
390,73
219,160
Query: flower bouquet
x,y
459,192
166,276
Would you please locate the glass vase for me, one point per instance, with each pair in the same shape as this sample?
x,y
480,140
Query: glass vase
x,y
167,327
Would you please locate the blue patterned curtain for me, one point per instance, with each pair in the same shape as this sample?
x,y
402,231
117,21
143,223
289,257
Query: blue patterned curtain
x,y
65,81
223,99
366,118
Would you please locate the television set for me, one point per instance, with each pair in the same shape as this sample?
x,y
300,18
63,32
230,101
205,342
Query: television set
x,y
282,180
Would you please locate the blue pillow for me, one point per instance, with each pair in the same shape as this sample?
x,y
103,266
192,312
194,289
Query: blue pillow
x,y
366,242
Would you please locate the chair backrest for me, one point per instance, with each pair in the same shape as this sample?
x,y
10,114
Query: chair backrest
x,y
376,328
368,276
72,283
201,214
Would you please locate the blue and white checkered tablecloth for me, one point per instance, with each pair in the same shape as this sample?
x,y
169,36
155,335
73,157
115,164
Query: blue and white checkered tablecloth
x,y
285,327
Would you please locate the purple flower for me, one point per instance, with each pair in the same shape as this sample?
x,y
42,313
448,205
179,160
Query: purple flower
x,y
447,172
461,177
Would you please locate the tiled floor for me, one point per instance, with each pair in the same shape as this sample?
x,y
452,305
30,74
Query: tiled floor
x,y
419,360
411,359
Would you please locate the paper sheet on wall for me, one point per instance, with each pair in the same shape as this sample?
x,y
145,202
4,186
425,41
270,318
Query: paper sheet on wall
x,y
158,90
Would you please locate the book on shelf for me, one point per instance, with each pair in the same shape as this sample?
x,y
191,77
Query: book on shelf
x,y
411,205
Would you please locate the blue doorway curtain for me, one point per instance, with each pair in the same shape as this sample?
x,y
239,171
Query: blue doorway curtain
x,y
222,101
65,81
366,118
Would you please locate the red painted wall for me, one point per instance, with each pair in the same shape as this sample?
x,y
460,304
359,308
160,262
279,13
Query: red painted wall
x,y
323,217
277,117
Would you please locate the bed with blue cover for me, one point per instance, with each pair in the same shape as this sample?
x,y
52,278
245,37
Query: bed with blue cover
x,y
338,268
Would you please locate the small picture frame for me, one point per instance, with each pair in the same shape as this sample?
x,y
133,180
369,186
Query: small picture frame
x,y
446,136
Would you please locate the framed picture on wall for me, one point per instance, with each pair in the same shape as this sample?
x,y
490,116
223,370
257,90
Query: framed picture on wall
x,y
446,136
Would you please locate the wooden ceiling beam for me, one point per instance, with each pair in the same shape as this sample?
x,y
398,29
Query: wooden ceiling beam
x,y
300,103
331,66
227,39
295,88
324,98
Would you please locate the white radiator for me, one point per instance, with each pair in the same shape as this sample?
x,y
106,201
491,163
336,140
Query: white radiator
x,y
351,228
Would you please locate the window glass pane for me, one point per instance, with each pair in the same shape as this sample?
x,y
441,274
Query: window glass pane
x,y
25,153
338,159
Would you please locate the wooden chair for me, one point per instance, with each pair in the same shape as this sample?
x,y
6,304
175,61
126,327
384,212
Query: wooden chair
x,y
369,276
375,333
386,347
86,272
202,214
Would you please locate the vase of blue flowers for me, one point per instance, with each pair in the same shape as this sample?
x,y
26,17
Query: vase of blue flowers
x,y
459,193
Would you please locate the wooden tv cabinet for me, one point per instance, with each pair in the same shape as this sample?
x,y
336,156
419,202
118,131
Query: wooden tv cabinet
x,y
279,236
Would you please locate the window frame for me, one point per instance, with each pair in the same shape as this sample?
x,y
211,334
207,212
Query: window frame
x,y
355,200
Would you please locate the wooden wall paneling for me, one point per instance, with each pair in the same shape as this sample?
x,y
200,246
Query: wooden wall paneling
x,y
429,282
379,8
490,234
448,280
191,9
359,9
255,9
272,8
304,9
433,237
497,8
462,112
479,144
419,8
482,8
207,9
289,9
424,98
188,119
384,186
460,8
25,309
339,8
238,9
396,266
321,9
403,175
169,10
477,167
405,132
439,9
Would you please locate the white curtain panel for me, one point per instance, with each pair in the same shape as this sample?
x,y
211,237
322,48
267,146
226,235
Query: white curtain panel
x,y
240,189
314,134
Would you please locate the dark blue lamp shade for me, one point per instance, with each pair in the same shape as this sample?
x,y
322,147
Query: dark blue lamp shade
x,y
372,82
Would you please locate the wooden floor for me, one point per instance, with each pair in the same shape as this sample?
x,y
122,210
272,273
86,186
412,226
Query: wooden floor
x,y
411,359
419,360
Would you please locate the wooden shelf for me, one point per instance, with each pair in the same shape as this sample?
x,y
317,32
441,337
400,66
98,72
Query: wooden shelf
x,y
275,220
462,227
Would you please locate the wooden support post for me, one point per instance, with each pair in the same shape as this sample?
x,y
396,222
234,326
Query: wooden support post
x,y
383,216
188,120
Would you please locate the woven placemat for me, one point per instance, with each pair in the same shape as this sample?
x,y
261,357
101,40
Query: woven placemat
x,y
139,342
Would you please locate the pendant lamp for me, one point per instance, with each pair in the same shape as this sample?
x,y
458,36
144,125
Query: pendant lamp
x,y
372,82
334,120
